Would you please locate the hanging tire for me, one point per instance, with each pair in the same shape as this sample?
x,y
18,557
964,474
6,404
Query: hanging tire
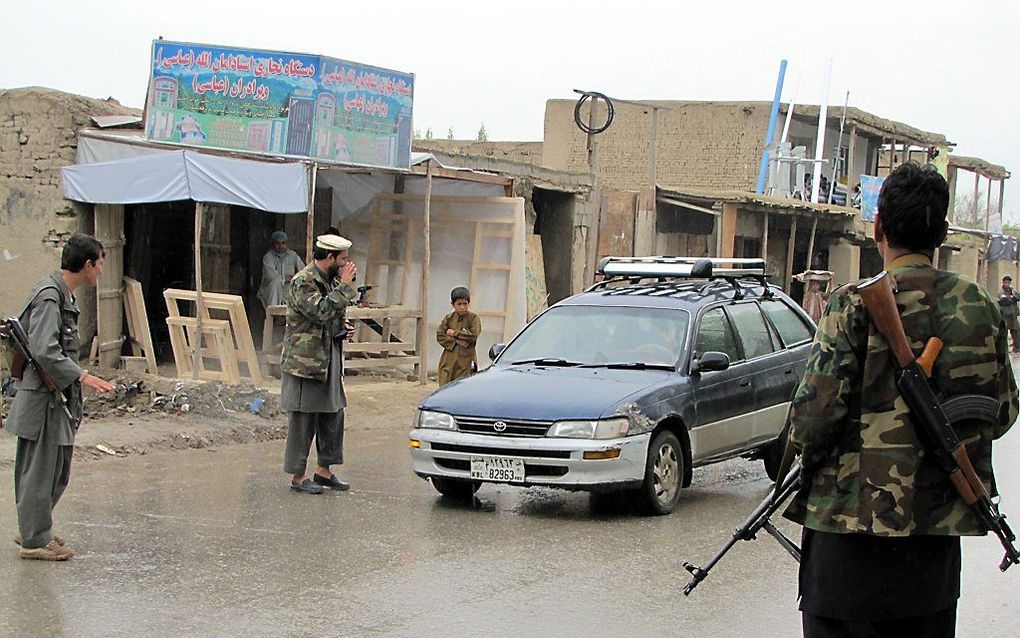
x,y
455,488
664,474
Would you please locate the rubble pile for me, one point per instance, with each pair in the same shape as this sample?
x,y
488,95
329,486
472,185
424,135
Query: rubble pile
x,y
142,396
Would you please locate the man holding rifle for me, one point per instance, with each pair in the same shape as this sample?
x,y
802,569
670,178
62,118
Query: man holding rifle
x,y
47,408
882,520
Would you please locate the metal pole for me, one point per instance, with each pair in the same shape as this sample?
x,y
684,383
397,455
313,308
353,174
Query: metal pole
x,y
773,115
835,159
196,342
789,111
422,345
596,196
765,237
816,177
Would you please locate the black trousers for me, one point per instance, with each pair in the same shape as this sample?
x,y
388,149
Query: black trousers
x,y
938,625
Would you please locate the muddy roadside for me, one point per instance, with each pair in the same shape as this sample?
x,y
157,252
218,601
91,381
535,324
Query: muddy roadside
x,y
149,414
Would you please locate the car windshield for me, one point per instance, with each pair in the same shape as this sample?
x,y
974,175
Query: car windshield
x,y
590,335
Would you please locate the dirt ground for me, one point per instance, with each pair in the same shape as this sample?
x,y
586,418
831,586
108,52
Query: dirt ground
x,y
148,414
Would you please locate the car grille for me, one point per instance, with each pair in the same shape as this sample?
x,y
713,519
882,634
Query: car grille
x,y
513,427
497,451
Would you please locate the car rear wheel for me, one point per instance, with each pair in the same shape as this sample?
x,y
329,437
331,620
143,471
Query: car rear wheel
x,y
455,488
664,472
772,456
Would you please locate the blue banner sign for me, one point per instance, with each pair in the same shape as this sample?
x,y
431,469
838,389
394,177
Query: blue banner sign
x,y
307,106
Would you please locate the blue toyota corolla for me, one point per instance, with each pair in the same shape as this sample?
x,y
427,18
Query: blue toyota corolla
x,y
665,365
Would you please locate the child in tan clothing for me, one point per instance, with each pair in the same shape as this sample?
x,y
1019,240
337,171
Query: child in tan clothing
x,y
457,333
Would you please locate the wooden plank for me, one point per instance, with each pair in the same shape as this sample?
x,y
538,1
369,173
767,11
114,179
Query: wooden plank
x,y
138,323
353,364
221,348
396,312
382,348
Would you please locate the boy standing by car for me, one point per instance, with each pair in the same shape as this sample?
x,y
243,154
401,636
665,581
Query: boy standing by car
x,y
458,333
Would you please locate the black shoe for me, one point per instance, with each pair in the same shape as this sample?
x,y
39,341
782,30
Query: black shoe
x,y
332,482
305,486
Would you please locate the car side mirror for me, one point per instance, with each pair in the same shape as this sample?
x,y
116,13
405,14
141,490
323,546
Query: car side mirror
x,y
495,349
710,362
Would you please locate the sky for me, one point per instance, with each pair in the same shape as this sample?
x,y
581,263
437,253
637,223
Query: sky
x,y
946,67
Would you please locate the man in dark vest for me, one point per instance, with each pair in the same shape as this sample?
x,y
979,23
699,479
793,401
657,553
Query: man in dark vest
x,y
42,464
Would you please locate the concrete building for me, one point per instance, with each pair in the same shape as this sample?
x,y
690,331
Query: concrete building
x,y
678,177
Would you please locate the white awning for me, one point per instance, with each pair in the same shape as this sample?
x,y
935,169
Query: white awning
x,y
167,175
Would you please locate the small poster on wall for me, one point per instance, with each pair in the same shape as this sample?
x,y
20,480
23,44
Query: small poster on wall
x,y
870,187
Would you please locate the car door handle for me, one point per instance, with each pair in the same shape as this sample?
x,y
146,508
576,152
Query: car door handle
x,y
790,371
745,383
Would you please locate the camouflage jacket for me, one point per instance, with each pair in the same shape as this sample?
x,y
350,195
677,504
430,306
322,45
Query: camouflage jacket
x,y
315,313
865,470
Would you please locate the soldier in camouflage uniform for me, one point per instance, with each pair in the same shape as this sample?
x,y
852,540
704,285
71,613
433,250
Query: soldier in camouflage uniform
x,y
312,365
881,547
42,464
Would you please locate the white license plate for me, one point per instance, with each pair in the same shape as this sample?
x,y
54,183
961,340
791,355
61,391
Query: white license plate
x,y
490,468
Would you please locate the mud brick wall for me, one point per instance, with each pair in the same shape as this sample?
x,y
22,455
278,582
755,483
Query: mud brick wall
x,y
38,135
701,145
527,152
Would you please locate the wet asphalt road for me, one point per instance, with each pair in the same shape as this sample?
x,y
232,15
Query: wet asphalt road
x,y
212,543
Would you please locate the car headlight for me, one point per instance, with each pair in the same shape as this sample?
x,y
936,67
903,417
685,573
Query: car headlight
x,y
436,420
601,429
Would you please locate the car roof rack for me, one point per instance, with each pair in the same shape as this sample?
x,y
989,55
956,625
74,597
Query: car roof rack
x,y
729,269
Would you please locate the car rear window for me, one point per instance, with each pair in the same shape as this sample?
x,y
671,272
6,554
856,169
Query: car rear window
x,y
751,329
788,323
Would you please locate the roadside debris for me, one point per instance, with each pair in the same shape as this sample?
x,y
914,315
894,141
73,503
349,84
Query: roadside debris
x,y
137,396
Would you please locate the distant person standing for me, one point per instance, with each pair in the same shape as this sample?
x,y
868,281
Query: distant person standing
x,y
42,464
279,264
458,333
1008,306
312,390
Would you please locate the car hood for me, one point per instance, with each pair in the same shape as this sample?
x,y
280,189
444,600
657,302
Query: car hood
x,y
540,393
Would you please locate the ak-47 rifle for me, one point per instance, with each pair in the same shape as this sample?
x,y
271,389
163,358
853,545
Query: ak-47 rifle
x,y
966,406
930,421
13,329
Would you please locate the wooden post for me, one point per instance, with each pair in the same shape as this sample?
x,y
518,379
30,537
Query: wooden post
x,y
952,193
727,229
310,221
789,255
765,237
196,341
423,323
811,241
988,204
1002,191
975,202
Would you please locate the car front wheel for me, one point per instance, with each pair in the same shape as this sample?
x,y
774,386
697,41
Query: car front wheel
x,y
664,471
455,488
